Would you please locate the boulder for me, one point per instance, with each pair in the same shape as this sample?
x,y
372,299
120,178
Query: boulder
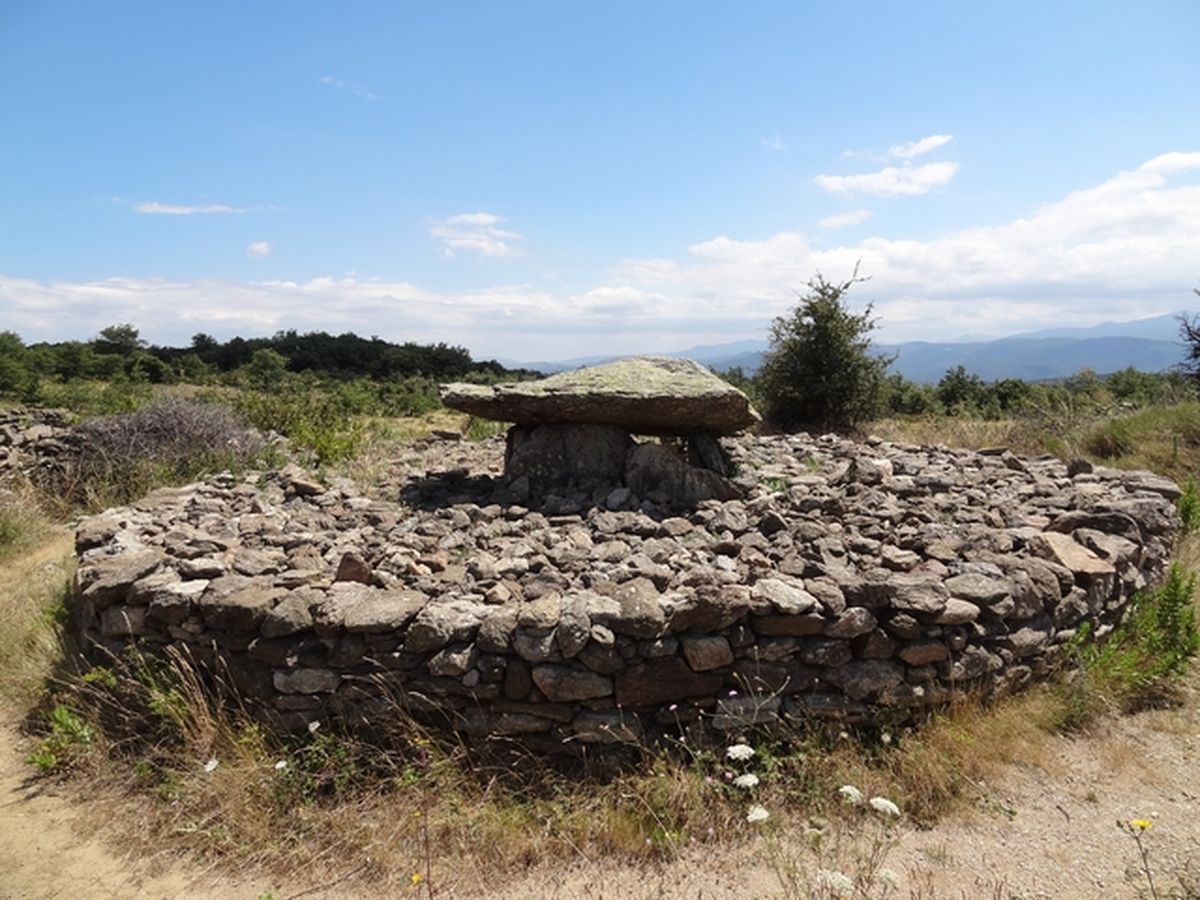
x,y
641,394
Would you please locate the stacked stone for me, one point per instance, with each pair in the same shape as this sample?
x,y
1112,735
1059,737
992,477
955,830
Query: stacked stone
x,y
34,442
854,580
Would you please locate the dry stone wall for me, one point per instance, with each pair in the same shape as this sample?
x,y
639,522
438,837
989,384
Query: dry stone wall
x,y
35,442
854,580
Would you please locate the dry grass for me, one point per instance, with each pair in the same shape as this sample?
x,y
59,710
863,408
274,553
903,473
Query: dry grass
x,y
32,587
1024,436
1163,439
385,438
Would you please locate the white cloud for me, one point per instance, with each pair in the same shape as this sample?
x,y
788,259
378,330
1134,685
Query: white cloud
x,y
353,87
844,220
258,249
477,232
920,147
1124,248
774,143
154,208
891,181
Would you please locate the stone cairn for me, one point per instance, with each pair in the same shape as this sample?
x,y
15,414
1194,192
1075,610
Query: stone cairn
x,y
571,607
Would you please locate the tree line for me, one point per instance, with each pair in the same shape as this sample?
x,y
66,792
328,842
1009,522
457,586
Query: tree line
x,y
119,352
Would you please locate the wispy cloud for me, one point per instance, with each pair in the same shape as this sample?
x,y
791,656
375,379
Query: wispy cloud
x,y
774,143
845,219
891,181
920,147
895,181
258,249
477,232
353,87
154,208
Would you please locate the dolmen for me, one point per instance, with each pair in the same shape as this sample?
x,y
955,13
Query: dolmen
x,y
573,433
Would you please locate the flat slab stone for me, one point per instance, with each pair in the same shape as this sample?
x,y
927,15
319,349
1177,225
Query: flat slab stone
x,y
642,394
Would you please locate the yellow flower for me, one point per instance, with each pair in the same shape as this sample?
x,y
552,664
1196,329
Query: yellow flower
x,y
415,878
1140,824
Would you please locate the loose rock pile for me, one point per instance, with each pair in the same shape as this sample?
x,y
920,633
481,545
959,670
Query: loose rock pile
x,y
853,580
34,442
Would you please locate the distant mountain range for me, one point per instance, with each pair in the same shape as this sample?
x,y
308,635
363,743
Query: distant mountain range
x,y
1149,345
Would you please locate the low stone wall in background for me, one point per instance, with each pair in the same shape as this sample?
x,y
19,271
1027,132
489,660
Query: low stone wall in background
x,y
854,580
34,442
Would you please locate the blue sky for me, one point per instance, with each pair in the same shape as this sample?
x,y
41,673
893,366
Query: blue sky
x,y
542,180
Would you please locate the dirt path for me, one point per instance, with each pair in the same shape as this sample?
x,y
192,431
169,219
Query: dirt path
x,y
1045,834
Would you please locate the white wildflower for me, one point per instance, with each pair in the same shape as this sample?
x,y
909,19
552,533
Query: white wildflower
x,y
314,726
739,752
211,765
281,765
851,794
757,813
839,884
748,780
885,807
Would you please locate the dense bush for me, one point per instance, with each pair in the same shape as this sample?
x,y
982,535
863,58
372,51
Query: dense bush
x,y
120,457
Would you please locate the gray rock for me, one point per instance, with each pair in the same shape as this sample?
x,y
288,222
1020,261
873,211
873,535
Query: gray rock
x,y
979,589
784,597
708,608
652,470
240,612
563,684
918,593
957,612
705,653
107,579
640,613
574,626
862,678
291,615
924,652
379,611
645,395
830,653
661,681
442,623
305,681
851,623
557,454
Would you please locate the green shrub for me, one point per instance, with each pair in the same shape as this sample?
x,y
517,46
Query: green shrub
x,y
1111,440
1139,662
68,738
309,417
1189,507
819,372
